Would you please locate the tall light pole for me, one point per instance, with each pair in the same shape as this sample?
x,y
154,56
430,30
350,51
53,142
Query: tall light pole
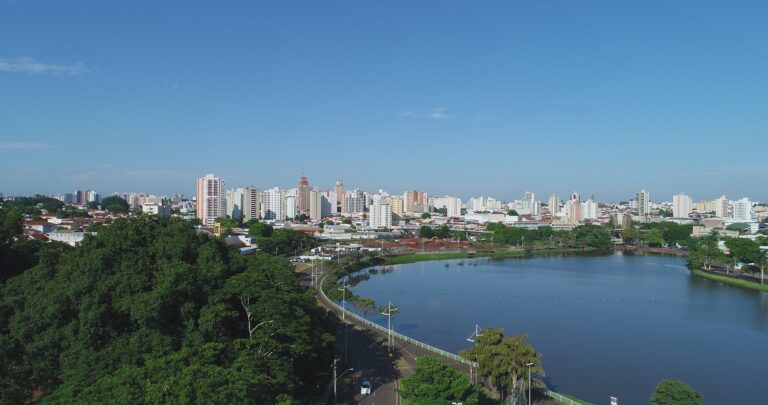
x,y
388,310
337,378
529,382
343,289
473,338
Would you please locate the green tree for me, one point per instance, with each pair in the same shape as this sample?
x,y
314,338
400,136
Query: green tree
x,y
93,205
149,310
115,204
744,250
504,360
260,229
435,383
426,232
674,392
512,213
426,215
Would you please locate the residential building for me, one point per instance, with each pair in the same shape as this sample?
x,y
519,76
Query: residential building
x,y
380,215
275,204
553,204
643,203
235,203
154,208
210,199
721,207
452,207
302,197
251,207
414,201
355,202
340,203
291,209
681,205
742,210
589,209
315,205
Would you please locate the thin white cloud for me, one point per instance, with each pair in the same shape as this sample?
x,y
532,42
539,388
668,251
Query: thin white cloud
x,y
32,66
433,114
148,173
80,176
23,145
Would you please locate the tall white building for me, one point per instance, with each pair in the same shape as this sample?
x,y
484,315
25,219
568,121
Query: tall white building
x,y
721,207
452,207
682,205
589,209
742,210
291,207
643,203
275,200
380,215
553,204
235,203
210,199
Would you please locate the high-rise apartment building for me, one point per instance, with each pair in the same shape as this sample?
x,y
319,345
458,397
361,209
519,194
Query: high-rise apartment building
x,y
302,196
251,204
396,205
315,205
355,202
589,209
235,203
414,201
573,209
681,205
380,215
742,210
275,201
211,199
452,207
721,207
340,203
553,204
329,203
643,203
291,210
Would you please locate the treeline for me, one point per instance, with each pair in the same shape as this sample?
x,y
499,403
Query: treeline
x,y
584,236
150,310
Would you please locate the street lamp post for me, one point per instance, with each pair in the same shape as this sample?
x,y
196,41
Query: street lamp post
x,y
529,382
337,378
473,338
388,312
343,300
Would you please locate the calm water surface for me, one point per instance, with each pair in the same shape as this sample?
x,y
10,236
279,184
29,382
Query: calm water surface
x,y
612,325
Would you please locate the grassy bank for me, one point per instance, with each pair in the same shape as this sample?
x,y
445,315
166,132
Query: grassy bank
x,y
423,257
732,281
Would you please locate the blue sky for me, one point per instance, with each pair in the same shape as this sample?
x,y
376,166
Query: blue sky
x,y
451,97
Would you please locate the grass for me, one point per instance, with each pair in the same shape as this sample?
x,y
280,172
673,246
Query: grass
x,y
732,281
582,402
423,257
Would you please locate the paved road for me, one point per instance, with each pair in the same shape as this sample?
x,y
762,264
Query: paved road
x,y
367,355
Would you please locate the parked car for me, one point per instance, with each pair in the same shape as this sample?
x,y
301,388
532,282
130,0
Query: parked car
x,y
365,387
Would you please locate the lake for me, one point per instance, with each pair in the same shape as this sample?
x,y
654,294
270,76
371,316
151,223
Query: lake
x,y
609,325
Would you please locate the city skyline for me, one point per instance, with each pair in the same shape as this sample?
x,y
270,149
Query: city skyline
x,y
491,100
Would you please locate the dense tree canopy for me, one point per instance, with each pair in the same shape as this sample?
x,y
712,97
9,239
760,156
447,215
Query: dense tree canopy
x,y
151,311
435,383
504,360
592,236
674,392
115,204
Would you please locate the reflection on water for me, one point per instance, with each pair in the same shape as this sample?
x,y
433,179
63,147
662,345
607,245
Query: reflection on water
x,y
611,325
